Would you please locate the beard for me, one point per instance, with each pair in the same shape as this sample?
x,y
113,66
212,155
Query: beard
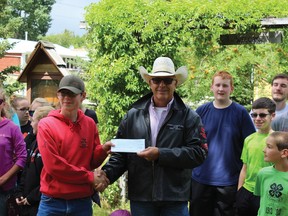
x,y
277,100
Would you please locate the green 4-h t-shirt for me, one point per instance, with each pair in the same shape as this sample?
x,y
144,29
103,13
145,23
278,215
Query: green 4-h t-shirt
x,y
272,187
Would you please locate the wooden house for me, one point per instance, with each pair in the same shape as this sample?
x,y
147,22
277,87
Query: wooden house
x,y
43,71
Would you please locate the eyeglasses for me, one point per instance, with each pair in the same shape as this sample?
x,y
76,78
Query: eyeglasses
x,y
261,115
167,81
31,112
25,109
66,93
1,101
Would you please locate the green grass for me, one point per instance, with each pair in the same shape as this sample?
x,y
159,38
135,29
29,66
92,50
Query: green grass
x,y
97,211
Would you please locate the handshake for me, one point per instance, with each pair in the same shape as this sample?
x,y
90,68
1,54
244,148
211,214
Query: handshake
x,y
101,181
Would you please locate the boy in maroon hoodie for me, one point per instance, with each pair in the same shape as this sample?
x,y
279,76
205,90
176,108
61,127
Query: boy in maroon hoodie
x,y
70,147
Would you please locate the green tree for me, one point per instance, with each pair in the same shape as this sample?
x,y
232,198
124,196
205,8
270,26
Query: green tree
x,y
124,35
16,17
30,15
251,64
10,87
66,39
8,25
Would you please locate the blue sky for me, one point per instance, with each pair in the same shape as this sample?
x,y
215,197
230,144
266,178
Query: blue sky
x,y
67,14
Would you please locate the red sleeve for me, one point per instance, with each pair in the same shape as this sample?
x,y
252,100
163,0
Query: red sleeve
x,y
99,155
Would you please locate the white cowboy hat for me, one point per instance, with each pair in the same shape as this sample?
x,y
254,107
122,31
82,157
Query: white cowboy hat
x,y
164,67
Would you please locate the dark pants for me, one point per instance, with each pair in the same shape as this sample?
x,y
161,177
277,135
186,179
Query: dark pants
x,y
8,205
247,204
210,200
28,210
169,208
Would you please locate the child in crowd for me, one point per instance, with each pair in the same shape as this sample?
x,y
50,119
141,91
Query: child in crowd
x,y
28,194
263,112
37,102
21,106
271,184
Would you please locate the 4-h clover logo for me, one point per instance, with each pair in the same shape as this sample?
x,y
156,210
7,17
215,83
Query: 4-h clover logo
x,y
276,190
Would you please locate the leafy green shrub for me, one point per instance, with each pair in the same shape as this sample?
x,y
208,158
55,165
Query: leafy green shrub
x,y
111,197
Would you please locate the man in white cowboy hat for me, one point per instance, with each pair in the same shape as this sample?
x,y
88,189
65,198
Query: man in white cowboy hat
x,y
159,177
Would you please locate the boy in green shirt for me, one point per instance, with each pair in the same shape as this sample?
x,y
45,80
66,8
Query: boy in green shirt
x,y
263,111
271,183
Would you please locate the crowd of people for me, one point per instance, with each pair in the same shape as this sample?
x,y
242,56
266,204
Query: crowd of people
x,y
219,160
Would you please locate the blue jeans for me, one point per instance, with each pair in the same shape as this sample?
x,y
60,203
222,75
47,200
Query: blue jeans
x,y
166,208
60,207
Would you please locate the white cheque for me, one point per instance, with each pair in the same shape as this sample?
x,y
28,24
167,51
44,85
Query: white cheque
x,y
128,145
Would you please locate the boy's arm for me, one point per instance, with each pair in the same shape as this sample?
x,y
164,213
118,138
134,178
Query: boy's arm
x,y
242,176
